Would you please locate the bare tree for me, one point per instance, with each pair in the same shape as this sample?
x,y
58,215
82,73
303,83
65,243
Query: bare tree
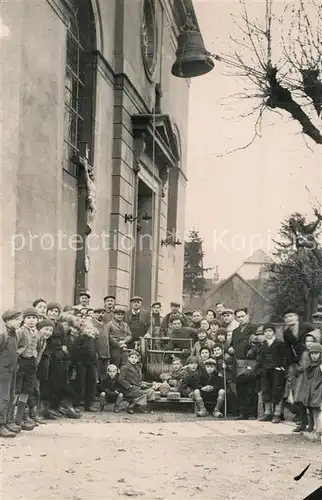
x,y
281,58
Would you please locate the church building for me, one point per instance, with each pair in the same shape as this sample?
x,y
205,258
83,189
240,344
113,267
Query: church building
x,y
94,148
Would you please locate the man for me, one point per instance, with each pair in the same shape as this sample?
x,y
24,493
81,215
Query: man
x,y
174,310
109,306
246,392
228,320
294,338
196,319
103,342
83,300
219,309
138,320
155,320
317,322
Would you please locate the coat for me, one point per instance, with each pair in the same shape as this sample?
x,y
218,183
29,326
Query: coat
x,y
309,386
10,341
109,385
106,339
241,340
140,329
295,346
130,380
202,343
166,323
190,382
272,356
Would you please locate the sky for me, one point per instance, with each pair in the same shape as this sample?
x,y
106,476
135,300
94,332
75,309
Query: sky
x,y
237,201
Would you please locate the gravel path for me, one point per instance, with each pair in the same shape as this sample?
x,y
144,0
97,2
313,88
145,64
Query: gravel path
x,y
158,457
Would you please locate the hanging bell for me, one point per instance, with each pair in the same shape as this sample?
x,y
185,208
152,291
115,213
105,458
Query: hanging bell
x,y
192,57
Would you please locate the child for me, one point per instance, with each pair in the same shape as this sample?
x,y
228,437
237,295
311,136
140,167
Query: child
x,y
109,389
221,339
191,385
85,348
271,361
309,388
212,390
177,373
41,307
135,391
213,329
9,343
204,354
203,341
45,328
27,367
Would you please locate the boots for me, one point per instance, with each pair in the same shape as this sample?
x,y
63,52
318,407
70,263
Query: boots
x,y
35,417
25,425
5,432
277,413
13,428
201,410
267,417
118,402
48,413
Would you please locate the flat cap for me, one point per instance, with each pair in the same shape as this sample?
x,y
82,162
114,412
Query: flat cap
x,y
228,311
109,297
136,298
84,292
10,314
53,305
317,315
175,304
157,303
210,361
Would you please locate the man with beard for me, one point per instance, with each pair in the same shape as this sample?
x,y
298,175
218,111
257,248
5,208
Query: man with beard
x,y
109,305
294,338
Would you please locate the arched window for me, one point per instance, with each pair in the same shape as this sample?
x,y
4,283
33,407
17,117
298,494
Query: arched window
x,y
149,37
79,113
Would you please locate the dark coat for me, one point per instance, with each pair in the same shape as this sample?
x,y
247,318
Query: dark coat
x,y
166,321
9,343
138,330
241,340
309,386
213,379
130,380
272,356
296,346
109,385
190,382
85,350
106,340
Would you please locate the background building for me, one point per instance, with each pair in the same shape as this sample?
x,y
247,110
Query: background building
x,y
94,136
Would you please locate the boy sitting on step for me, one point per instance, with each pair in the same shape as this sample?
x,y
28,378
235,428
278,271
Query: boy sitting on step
x,y
134,390
212,390
191,385
109,387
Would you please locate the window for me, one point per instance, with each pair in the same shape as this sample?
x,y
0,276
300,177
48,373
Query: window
x,y
149,38
79,83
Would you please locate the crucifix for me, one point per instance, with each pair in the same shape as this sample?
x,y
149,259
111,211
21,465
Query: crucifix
x,y
86,209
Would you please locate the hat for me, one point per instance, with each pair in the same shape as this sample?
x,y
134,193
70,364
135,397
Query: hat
x,y
210,361
269,326
31,311
84,292
133,353
67,308
228,311
53,305
136,298
10,314
174,304
157,303
290,310
43,323
317,315
109,297
119,310
99,309
38,301
188,313
192,359
316,347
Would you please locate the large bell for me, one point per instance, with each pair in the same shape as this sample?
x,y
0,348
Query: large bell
x,y
192,57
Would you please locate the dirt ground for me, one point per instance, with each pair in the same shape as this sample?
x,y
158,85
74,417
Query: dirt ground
x,y
160,456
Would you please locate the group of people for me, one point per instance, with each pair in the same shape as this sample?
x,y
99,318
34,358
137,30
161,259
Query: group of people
x,y
55,360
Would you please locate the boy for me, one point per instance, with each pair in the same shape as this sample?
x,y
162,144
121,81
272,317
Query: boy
x,y
203,341
212,390
221,339
204,354
191,385
27,367
213,329
9,343
272,360
133,388
46,328
110,391
174,378
41,307
85,349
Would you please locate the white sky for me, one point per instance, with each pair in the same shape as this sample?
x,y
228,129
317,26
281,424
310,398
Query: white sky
x,y
244,195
